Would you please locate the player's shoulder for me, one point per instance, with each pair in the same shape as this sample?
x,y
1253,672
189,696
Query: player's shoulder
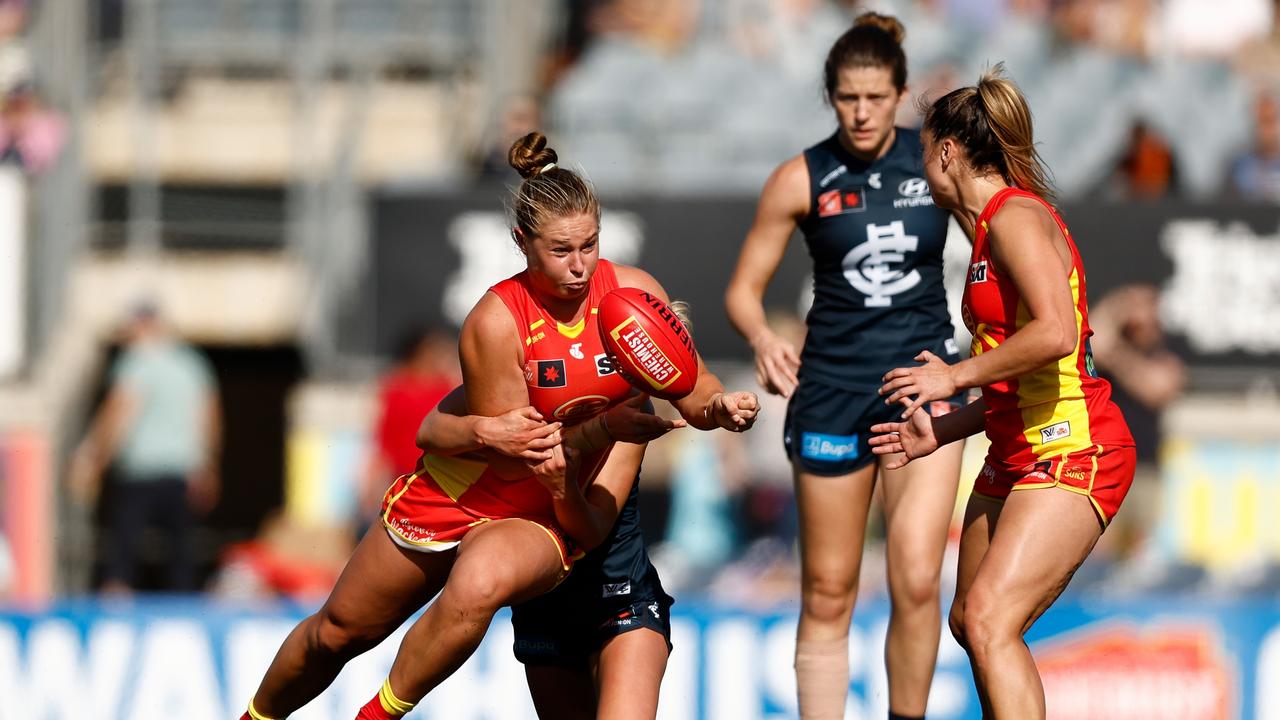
x,y
489,322
631,276
1020,213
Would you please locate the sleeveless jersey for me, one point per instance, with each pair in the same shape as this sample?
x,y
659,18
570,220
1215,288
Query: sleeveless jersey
x,y
569,378
1061,408
876,240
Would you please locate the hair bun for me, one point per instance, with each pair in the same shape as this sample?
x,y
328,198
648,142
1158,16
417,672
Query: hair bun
x,y
887,23
530,154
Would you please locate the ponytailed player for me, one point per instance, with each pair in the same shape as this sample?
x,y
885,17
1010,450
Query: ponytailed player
x,y
861,201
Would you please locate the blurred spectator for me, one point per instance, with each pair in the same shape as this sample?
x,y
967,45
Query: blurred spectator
x,y
161,425
1147,169
1256,174
790,35
427,371
1196,28
520,116
284,560
31,135
1146,377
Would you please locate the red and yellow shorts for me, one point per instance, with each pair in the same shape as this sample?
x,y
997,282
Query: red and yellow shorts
x,y
419,515
1102,474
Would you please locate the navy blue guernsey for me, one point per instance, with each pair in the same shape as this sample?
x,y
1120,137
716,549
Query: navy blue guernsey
x,y
876,240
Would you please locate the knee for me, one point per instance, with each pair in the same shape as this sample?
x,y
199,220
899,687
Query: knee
x,y
829,598
915,587
478,589
981,624
332,634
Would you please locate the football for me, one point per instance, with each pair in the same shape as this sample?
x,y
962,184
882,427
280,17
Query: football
x,y
651,347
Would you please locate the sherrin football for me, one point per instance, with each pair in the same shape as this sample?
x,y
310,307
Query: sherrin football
x,y
652,348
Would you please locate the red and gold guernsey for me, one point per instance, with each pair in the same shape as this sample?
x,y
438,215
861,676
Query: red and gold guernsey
x,y
569,378
1060,409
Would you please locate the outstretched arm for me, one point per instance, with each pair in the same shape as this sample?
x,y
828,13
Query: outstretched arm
x,y
920,434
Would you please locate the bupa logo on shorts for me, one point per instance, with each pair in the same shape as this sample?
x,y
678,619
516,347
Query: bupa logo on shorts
x,y
550,374
819,446
978,272
1056,431
615,589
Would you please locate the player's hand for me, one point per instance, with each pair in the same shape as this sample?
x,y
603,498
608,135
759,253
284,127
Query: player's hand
x,y
776,364
555,471
519,433
734,411
629,422
913,438
931,381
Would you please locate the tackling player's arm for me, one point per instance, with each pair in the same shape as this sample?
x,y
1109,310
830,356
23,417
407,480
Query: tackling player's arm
x,y
709,406
783,204
519,433
588,514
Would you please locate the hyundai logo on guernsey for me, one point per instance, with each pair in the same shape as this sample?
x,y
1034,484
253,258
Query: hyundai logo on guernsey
x,y
914,192
819,446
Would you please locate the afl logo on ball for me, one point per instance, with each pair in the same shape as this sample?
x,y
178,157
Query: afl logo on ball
x,y
581,407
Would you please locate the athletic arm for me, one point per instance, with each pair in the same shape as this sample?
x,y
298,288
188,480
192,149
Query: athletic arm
x,y
100,443
920,434
588,515
1025,246
709,405
783,203
520,433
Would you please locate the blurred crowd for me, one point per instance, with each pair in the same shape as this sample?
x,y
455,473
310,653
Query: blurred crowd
x,y
1135,99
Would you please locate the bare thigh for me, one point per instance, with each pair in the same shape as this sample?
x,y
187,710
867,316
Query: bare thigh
x,y
562,693
383,584
919,500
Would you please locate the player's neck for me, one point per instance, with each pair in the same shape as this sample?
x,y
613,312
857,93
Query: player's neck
x,y
976,193
565,312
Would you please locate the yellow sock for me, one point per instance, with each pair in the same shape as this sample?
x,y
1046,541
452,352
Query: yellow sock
x,y
391,703
253,713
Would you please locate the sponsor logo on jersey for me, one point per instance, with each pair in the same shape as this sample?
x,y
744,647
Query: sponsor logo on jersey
x,y
819,446
605,365
869,267
978,272
914,187
581,407
550,374
826,179
841,202
1056,431
914,192
645,355
615,589
873,180
951,347
575,350
988,472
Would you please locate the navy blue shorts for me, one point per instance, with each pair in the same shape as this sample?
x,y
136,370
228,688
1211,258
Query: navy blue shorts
x,y
572,622
828,427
